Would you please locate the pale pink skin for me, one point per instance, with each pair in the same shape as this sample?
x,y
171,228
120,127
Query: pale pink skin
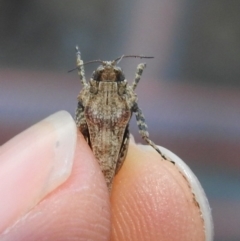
x,y
150,199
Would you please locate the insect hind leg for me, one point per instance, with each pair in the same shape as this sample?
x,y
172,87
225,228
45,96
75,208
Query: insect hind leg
x,y
123,150
142,126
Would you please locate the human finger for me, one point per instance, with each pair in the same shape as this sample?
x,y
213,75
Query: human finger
x,y
152,199
51,185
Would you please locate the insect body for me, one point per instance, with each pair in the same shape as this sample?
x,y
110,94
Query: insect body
x,y
105,106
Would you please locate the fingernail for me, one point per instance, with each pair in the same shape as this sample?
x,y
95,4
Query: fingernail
x,y
197,190
34,163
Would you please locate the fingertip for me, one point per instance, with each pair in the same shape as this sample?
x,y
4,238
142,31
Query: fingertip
x,y
198,193
152,200
34,163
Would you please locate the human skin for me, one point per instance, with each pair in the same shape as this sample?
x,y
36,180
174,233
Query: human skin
x,y
43,198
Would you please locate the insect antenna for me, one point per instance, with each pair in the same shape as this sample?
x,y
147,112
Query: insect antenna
x,y
117,60
93,61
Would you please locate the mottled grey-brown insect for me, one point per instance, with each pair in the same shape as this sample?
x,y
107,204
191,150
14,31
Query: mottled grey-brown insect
x,y
105,106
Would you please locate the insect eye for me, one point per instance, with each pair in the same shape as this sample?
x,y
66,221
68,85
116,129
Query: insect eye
x,y
120,76
96,75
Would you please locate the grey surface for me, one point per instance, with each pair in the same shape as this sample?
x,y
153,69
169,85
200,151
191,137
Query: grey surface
x,y
189,93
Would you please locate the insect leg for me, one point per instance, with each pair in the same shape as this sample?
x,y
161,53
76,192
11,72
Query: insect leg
x,y
123,150
81,121
80,67
138,75
142,126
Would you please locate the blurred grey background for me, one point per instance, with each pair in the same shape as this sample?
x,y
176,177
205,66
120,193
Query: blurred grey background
x,y
190,92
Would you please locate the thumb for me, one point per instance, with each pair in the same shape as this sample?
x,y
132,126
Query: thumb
x,y
51,186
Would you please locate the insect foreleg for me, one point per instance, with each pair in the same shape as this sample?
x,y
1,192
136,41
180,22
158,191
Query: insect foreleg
x,y
142,126
138,75
80,67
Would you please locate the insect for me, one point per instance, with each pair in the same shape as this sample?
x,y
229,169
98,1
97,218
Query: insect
x,y
105,106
